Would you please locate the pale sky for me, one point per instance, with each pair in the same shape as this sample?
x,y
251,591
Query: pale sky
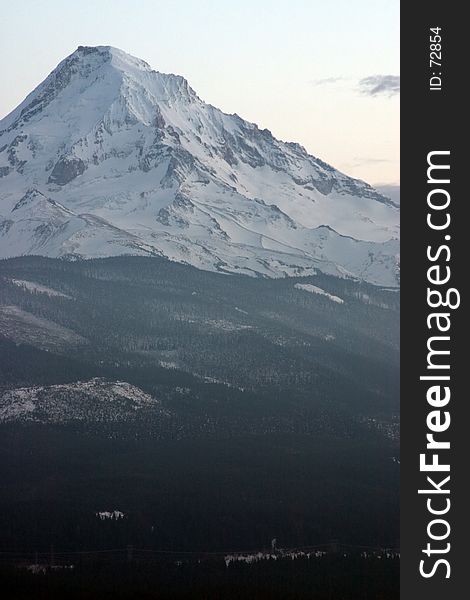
x,y
293,66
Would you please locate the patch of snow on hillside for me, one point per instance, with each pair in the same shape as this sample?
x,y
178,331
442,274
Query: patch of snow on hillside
x,y
40,289
110,515
17,408
96,400
313,289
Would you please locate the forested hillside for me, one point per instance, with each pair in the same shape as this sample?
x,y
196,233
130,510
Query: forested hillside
x,y
214,411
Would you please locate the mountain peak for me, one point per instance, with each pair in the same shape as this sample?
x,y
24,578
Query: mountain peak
x,y
102,54
131,67
127,160
102,75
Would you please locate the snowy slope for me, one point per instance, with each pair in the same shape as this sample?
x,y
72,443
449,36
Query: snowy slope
x,y
108,157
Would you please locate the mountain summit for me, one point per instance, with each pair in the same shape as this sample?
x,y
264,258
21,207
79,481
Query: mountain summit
x,y
109,157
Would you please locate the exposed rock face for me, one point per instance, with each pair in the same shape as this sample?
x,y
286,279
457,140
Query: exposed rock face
x,y
65,170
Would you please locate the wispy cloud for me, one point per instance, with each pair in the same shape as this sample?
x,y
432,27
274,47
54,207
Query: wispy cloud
x,y
360,161
380,85
327,81
373,85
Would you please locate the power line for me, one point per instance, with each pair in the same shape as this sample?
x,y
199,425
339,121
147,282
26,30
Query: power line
x,y
200,553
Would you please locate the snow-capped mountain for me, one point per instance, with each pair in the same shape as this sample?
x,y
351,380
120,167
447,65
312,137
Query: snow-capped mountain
x,y
109,157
